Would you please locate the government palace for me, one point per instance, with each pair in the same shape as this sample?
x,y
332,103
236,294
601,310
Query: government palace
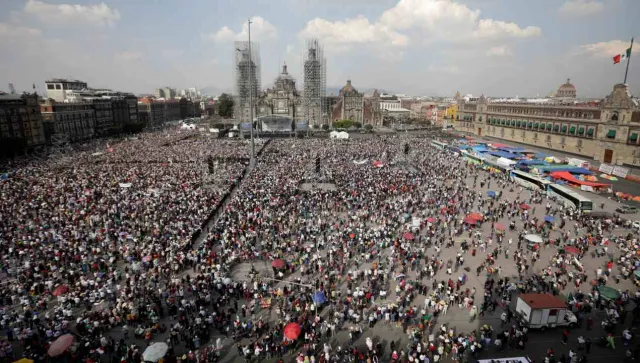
x,y
606,130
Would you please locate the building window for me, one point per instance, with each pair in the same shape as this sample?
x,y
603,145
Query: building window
x,y
58,86
611,134
50,86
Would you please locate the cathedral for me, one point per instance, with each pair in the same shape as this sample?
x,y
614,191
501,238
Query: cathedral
x,y
353,105
281,100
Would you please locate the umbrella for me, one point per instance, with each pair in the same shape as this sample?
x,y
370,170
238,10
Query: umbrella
x,y
278,263
407,236
147,258
525,206
469,220
399,276
226,281
571,250
60,345
609,293
533,238
60,290
352,235
319,298
292,331
154,352
431,219
549,219
499,227
378,164
476,216
491,193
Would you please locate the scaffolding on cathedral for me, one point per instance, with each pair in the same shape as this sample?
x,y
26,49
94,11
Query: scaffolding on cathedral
x,y
315,83
247,81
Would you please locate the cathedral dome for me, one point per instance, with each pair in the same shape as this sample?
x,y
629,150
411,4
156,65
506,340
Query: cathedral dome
x,y
567,90
348,88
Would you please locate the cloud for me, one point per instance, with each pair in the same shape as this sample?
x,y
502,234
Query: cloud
x,y
415,20
128,56
261,30
581,7
606,49
449,69
339,35
10,31
99,15
499,51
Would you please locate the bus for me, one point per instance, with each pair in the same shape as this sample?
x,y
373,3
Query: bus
x,y
529,181
472,159
497,167
438,144
570,198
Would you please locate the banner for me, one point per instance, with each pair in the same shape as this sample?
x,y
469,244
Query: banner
x,y
605,168
620,171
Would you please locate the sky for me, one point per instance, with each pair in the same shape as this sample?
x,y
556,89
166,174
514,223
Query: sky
x,y
498,48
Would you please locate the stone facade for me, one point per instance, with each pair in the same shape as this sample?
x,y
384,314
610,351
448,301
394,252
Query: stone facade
x,y
352,105
608,131
281,100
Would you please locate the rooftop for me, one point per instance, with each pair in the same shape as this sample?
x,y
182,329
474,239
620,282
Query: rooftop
x,y
63,80
543,301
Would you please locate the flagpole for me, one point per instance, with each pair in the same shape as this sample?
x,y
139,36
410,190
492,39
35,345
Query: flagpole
x,y
628,60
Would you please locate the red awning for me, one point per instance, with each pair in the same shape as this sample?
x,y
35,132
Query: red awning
x,y
565,175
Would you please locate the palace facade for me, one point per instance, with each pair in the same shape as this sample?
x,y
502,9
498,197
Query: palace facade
x,y
607,130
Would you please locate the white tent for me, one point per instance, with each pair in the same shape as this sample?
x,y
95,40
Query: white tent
x,y
339,135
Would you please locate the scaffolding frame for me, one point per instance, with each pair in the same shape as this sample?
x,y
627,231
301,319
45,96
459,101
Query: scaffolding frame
x,y
314,68
247,66
60,149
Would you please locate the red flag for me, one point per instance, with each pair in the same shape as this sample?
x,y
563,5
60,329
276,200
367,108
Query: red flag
x,y
616,59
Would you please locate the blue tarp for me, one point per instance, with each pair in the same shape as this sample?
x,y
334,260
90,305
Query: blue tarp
x,y
510,149
319,298
480,149
506,155
540,155
491,193
549,219
569,168
532,162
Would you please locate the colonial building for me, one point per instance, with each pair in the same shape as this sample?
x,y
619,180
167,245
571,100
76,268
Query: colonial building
x,y
352,105
607,131
281,100
21,127
75,121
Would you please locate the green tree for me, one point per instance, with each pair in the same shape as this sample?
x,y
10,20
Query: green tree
x,y
357,124
337,124
368,127
346,123
225,106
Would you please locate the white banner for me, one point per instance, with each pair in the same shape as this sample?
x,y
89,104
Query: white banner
x,y
606,168
586,188
620,171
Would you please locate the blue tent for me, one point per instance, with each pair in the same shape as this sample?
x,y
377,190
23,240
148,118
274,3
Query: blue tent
x,y
491,193
319,298
506,155
533,162
510,149
480,149
549,219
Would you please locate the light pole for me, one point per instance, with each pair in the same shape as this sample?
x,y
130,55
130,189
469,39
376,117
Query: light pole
x,y
253,146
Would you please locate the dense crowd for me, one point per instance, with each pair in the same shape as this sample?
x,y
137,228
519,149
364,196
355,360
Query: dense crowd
x,y
299,265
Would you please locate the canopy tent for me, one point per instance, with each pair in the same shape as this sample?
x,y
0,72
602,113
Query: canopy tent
x,y
155,352
476,216
533,238
479,148
564,175
571,169
319,298
608,293
533,162
510,149
470,221
506,155
498,145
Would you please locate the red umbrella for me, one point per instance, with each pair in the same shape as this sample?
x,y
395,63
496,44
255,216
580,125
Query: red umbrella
x,y
524,206
352,235
292,331
407,236
469,220
476,216
60,290
572,250
278,263
431,220
499,227
60,345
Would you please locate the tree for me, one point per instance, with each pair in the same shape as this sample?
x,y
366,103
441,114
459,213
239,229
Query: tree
x,y
368,127
225,106
357,124
325,127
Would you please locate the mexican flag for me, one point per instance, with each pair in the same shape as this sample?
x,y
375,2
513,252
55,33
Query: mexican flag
x,y
619,57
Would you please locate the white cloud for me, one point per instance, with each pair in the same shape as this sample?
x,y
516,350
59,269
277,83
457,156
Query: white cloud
x,y
581,7
261,30
128,56
99,15
499,51
607,49
10,31
415,20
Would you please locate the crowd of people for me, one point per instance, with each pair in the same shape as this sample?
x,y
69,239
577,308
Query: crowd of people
x,y
360,261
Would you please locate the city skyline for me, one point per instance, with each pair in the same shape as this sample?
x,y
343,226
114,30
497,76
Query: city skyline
x,y
426,47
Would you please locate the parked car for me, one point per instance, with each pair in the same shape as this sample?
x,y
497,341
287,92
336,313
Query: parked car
x,y
626,209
